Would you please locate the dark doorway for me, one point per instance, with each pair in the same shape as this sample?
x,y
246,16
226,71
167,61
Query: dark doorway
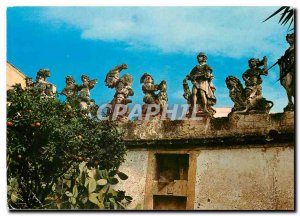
x,y
169,202
170,167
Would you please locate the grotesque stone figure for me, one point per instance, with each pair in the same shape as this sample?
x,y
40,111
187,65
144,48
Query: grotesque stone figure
x,y
149,89
123,91
43,87
287,71
113,75
81,100
249,99
123,86
236,93
71,90
203,89
84,94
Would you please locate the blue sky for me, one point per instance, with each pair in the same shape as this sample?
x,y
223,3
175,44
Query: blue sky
x,y
162,41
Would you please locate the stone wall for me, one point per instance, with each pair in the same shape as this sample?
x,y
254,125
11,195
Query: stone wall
x,y
245,179
237,125
135,167
241,162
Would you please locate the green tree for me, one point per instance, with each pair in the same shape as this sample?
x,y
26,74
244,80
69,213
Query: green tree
x,y
45,138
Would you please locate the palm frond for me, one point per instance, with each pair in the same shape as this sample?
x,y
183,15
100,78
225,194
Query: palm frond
x,y
275,13
286,16
292,21
285,12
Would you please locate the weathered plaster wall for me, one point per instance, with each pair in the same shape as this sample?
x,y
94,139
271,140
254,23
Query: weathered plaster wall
x,y
244,161
135,167
252,179
236,125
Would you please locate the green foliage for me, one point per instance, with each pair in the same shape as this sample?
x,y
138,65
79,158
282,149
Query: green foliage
x,y
88,188
45,137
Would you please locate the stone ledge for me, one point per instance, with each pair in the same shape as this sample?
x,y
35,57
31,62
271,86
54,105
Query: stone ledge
x,y
283,140
236,125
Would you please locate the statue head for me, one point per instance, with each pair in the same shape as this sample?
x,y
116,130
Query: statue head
x,y
85,78
290,38
120,98
233,83
201,57
44,73
146,78
70,80
163,87
253,62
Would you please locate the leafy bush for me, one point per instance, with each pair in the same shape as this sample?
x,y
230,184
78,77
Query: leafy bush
x,y
88,188
45,138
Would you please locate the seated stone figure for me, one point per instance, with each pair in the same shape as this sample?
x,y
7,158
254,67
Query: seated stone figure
x,y
236,93
249,99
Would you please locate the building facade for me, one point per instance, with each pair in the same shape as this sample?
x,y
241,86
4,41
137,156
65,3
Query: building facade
x,y
240,162
14,76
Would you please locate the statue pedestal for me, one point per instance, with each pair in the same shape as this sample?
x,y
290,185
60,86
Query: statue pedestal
x,y
117,111
151,111
200,113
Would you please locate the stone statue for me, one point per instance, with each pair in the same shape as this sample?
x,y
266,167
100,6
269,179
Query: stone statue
x,y
249,99
123,89
84,92
149,89
43,87
236,93
287,71
71,90
162,95
93,108
79,95
203,88
113,75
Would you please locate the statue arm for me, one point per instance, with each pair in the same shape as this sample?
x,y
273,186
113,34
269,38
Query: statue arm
x,y
265,69
192,74
150,88
245,75
208,73
65,92
119,68
130,92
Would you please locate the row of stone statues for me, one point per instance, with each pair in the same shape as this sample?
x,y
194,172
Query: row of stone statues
x,y
201,97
